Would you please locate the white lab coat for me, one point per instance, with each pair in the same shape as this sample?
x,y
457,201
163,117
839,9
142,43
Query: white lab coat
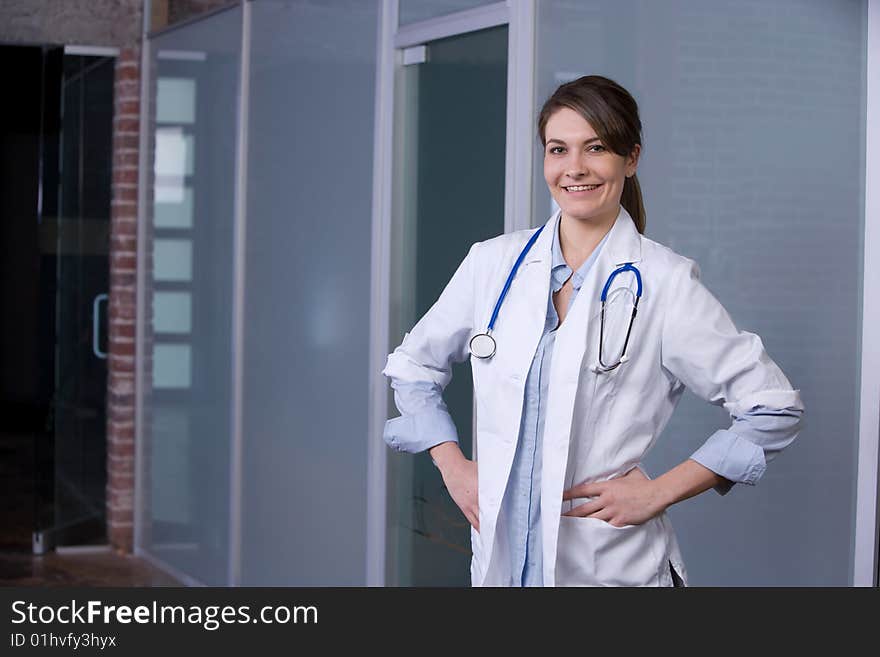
x,y
598,425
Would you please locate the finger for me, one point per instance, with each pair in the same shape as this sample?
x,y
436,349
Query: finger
x,y
583,510
592,489
605,514
474,519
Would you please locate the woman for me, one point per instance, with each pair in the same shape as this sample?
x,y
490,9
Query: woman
x,y
582,336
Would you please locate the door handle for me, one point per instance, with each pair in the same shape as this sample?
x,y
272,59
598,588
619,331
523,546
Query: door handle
x,y
96,325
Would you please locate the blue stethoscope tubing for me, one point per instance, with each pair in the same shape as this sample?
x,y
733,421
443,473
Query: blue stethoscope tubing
x,y
483,345
624,267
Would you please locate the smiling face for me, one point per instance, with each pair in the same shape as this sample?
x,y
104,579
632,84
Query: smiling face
x,y
584,176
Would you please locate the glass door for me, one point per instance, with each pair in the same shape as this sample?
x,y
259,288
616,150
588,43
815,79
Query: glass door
x,y
77,168
449,168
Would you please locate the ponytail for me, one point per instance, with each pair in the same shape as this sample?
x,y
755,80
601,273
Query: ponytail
x,y
631,200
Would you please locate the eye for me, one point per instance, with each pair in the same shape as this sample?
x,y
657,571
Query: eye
x,y
596,148
556,150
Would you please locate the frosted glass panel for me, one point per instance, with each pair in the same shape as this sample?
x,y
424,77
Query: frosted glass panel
x,y
753,117
188,338
172,312
175,214
170,500
307,289
171,366
412,11
172,260
175,100
428,537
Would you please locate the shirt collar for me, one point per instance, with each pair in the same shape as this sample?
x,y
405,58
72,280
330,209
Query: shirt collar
x,y
559,269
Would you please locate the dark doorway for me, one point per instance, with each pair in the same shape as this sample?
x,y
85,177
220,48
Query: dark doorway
x,y
55,187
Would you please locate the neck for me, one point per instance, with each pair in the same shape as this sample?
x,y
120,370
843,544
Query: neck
x,y
578,238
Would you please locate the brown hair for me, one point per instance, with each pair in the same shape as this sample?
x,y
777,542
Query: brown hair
x,y
614,115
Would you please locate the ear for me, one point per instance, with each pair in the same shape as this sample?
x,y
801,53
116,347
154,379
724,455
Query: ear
x,y
632,161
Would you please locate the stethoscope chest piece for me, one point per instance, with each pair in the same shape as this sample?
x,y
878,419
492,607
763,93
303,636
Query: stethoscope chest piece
x,y
482,345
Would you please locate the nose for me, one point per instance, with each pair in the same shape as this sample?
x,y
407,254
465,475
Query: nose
x,y
575,168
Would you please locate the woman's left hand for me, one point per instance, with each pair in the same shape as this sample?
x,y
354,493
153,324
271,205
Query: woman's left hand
x,y
628,500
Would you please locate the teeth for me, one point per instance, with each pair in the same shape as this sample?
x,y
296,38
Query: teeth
x,y
581,188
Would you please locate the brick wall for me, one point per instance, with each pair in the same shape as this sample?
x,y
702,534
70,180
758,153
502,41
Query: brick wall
x,y
123,298
82,22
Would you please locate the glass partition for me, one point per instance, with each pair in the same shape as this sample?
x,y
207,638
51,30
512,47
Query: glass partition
x,y
307,289
187,369
451,134
753,120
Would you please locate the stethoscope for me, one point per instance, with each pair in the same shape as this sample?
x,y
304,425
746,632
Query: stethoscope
x,y
483,345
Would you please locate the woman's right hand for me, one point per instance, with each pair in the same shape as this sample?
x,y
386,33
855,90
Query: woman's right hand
x,y
460,477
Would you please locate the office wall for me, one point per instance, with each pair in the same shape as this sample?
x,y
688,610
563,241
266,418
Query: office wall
x,y
307,292
285,503
753,116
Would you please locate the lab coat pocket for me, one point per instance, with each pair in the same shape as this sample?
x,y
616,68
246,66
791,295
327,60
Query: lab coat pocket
x,y
592,552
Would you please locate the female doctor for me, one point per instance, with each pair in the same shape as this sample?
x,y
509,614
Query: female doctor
x,y
582,336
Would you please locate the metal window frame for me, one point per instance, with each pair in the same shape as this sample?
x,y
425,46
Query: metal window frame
x,y
865,543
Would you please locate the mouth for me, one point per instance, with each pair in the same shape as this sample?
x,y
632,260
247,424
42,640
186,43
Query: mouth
x,y
581,189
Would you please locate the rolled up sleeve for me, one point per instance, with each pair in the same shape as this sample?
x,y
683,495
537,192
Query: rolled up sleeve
x,y
424,420
704,350
420,368
740,454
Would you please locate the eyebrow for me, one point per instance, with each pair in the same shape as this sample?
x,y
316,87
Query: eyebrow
x,y
559,141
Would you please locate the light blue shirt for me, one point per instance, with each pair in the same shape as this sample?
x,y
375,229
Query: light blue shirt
x,y
521,505
425,422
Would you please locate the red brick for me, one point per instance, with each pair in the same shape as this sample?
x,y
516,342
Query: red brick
x,y
120,441
122,312
120,382
122,261
118,479
126,106
126,125
130,54
122,280
121,538
129,176
126,141
127,158
122,348
124,226
121,242
121,296
124,364
125,193
128,73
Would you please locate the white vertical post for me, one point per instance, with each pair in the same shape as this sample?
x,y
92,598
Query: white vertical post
x,y
865,557
238,300
520,116
140,282
380,258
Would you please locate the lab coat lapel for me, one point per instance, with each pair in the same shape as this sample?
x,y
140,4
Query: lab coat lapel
x,y
574,355
528,300
518,330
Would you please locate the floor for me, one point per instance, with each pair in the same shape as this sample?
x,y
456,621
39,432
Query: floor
x,y
19,567
98,568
